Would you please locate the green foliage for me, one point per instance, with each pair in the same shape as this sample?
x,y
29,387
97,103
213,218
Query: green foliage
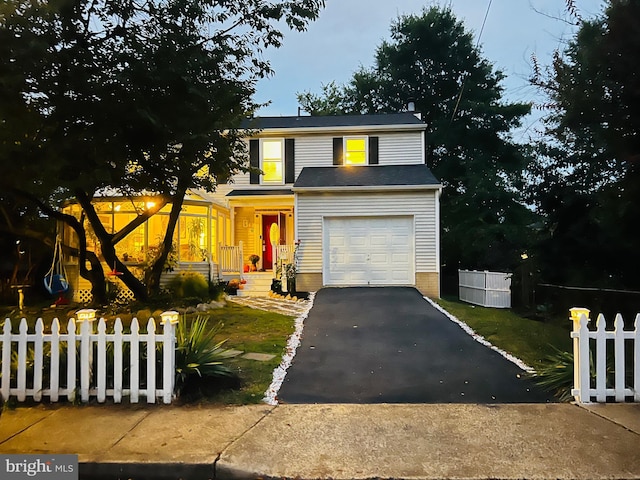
x,y
216,290
431,59
556,375
189,284
529,340
154,93
198,353
587,181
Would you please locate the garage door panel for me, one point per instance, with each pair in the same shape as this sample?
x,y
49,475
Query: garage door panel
x,y
378,240
356,258
370,251
400,240
380,259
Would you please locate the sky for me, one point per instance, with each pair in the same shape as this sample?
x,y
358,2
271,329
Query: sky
x,y
347,33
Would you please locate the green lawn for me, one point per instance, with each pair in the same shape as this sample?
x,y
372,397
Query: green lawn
x,y
531,341
242,328
252,330
256,331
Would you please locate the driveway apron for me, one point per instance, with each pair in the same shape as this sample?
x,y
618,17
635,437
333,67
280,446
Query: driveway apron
x,y
389,345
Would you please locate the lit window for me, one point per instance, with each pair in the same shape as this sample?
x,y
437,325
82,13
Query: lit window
x,y
355,151
272,161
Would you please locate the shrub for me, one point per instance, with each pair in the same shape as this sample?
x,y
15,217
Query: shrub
x,y
198,354
189,284
216,290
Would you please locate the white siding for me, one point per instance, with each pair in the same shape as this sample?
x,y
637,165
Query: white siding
x,y
311,208
316,151
403,148
400,149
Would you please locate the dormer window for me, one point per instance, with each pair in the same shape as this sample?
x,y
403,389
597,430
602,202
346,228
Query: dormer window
x,y
355,150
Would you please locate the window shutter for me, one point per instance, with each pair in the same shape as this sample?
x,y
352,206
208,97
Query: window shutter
x,y
337,151
373,150
289,161
254,161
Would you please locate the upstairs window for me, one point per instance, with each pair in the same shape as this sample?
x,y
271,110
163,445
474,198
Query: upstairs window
x,y
355,150
275,157
272,161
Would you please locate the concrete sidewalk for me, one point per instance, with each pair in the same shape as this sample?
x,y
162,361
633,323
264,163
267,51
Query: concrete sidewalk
x,y
337,441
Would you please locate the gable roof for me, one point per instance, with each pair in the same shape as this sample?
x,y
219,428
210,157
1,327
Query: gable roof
x,y
394,121
342,177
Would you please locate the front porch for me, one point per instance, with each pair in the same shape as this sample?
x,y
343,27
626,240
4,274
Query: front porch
x,y
233,265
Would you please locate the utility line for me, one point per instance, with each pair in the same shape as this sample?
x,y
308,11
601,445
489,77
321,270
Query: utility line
x,y
484,21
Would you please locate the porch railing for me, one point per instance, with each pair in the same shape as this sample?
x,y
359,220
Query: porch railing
x,y
230,259
285,253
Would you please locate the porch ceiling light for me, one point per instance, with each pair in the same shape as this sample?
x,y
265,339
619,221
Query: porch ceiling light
x,y
86,315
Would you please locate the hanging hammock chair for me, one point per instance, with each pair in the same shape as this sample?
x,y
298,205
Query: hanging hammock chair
x,y
55,280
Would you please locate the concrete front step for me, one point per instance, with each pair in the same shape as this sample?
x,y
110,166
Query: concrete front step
x,y
258,284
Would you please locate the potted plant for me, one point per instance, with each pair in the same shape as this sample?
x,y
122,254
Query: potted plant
x,y
290,276
254,259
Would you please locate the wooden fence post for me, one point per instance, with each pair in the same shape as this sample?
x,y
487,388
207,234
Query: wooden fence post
x,y
169,321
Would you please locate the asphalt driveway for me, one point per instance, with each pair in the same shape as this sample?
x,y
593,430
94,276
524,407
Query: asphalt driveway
x,y
389,345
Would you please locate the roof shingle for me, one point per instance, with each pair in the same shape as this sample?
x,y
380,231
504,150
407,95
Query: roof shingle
x,y
366,176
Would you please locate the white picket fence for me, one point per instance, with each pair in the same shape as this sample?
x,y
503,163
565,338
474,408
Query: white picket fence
x,y
56,364
601,360
488,289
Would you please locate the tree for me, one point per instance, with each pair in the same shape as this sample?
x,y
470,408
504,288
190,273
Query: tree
x,y
587,184
132,97
431,59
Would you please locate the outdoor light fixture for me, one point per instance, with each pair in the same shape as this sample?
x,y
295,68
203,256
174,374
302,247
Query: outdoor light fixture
x,y
86,315
170,317
577,312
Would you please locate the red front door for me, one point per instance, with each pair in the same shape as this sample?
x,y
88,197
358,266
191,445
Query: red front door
x,y
267,248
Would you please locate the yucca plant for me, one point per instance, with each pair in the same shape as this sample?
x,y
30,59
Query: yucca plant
x,y
198,353
556,376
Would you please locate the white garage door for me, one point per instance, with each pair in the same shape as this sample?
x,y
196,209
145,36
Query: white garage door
x,y
369,251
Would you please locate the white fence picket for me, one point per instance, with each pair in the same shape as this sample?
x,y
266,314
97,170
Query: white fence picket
x,y
151,361
117,361
54,371
102,363
22,361
585,351
38,344
71,360
636,359
5,386
93,351
134,362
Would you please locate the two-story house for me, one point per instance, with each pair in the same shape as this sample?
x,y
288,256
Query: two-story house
x,y
352,192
